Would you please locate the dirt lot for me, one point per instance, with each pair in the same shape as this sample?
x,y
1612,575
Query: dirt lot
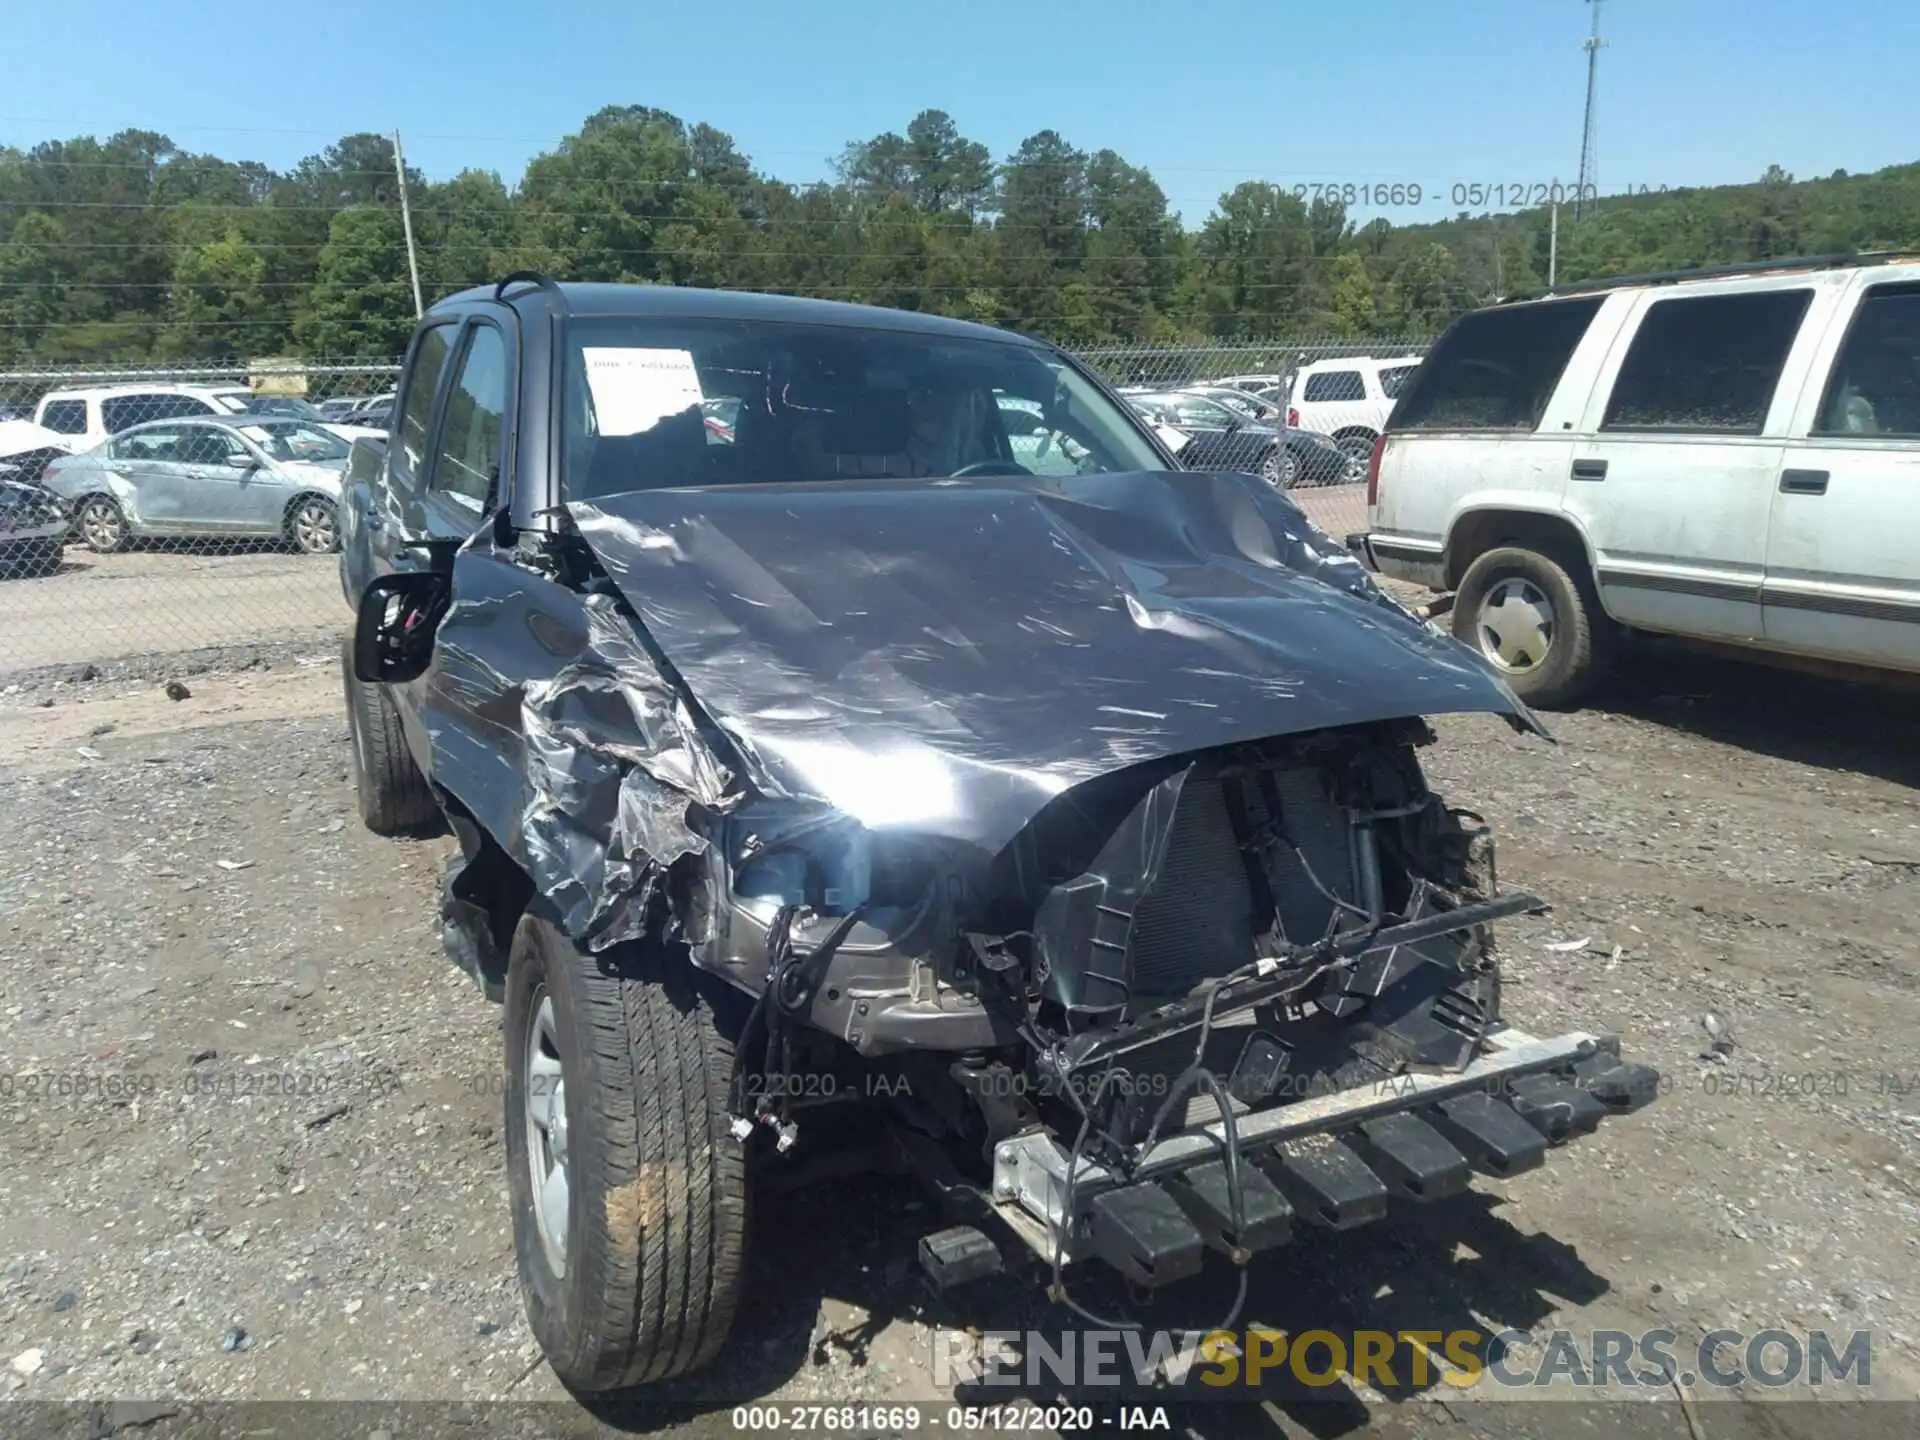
x,y
166,600
251,1117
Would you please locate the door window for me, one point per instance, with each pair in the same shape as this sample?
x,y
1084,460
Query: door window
x,y
122,412
430,357
1707,363
204,445
467,462
65,417
1332,385
1494,369
1875,385
1192,412
162,442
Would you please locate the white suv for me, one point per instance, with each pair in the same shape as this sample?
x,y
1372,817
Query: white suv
x,y
1348,399
86,417
1730,456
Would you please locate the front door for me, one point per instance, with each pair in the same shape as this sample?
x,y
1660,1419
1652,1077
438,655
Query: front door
x,y
213,494
1843,571
1219,438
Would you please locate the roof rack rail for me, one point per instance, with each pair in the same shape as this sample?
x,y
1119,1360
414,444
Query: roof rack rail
x,y
1717,272
532,277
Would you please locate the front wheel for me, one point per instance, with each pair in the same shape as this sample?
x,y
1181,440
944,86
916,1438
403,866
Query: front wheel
x,y
628,1190
1358,448
1537,623
1281,468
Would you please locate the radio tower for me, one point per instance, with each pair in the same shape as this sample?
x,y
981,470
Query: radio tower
x,y
1593,44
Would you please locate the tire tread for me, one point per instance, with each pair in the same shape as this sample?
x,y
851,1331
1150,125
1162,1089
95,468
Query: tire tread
x,y
394,796
1585,632
663,1294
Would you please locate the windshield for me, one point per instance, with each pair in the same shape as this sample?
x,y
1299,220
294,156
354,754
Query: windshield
x,y
295,440
657,403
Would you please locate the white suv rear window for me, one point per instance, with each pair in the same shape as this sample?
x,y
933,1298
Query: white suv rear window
x,y
1495,369
1334,385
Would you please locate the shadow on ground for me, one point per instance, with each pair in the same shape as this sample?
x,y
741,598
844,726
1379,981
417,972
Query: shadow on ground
x,y
1811,719
1451,1266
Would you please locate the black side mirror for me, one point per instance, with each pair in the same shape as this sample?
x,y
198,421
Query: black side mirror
x,y
393,633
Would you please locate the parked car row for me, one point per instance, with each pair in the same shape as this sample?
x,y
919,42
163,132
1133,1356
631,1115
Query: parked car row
x,y
87,417
109,465
1227,429
237,476
1343,404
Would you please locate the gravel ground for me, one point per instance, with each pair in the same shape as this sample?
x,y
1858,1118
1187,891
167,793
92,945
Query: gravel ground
x,y
251,1116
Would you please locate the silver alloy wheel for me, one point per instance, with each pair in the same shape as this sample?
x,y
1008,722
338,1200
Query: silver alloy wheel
x,y
546,1121
101,525
1515,625
314,528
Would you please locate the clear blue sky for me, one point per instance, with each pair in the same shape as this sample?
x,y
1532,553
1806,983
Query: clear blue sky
x,y
1204,94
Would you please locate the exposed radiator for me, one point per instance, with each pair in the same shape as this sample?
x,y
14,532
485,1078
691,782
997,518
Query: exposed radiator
x,y
1198,919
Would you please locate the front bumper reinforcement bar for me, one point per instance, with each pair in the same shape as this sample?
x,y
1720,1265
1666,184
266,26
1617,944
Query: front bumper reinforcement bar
x,y
1330,1159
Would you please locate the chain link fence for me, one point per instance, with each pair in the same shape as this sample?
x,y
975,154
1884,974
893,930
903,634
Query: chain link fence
x,y
131,528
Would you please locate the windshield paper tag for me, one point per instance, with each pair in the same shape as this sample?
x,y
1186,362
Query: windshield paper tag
x,y
256,434
635,389
1173,439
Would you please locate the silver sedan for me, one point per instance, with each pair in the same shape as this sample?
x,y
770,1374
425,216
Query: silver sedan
x,y
207,478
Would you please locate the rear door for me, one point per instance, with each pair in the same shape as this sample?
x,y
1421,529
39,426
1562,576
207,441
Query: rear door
x,y
1673,475
1486,425
149,462
1336,399
1843,566
382,509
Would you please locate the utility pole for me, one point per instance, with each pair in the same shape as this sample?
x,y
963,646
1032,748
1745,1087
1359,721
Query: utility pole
x,y
1593,45
406,223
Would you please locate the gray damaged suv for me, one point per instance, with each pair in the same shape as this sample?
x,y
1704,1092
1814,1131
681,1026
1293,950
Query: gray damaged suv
x,y
806,748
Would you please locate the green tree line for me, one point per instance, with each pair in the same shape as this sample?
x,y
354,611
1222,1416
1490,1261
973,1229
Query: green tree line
x,y
132,248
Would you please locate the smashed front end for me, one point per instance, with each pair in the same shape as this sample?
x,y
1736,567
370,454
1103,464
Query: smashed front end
x,y
1079,823
1191,1005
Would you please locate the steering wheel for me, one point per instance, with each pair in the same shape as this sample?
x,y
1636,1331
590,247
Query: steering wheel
x,y
991,467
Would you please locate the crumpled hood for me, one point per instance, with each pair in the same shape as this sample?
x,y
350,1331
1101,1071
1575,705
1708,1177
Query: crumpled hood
x,y
945,656
19,436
